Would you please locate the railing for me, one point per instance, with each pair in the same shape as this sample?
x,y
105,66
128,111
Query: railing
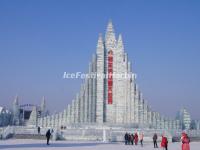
x,y
6,132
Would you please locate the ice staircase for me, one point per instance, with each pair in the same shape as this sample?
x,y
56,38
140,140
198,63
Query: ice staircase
x,y
21,132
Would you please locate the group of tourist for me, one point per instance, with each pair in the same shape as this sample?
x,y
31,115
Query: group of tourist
x,y
133,139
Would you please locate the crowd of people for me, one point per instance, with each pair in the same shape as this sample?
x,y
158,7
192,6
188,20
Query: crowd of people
x,y
132,139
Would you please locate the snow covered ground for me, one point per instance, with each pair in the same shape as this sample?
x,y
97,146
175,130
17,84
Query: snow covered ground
x,y
19,144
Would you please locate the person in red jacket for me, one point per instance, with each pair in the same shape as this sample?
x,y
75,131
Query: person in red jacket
x,y
185,141
164,142
136,138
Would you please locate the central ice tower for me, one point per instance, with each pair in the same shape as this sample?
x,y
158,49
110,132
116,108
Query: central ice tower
x,y
114,100
115,96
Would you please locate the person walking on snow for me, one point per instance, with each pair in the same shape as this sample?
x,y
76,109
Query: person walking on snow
x,y
185,141
38,130
126,138
141,139
164,142
48,135
136,138
155,137
132,139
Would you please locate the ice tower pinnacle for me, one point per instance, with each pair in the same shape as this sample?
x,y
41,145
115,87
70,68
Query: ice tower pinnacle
x,y
110,39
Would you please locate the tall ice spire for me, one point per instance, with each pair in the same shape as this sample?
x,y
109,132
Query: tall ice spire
x,y
16,100
120,44
110,29
110,39
43,103
16,112
100,45
100,81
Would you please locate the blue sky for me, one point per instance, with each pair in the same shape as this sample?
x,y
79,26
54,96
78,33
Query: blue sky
x,y
39,40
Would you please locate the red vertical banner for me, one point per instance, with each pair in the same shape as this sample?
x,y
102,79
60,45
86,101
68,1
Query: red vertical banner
x,y
110,79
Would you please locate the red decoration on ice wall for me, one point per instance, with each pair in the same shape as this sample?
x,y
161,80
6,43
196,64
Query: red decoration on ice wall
x,y
110,79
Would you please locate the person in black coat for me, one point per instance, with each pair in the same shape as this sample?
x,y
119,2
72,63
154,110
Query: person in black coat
x,y
129,139
155,137
38,130
126,138
48,135
132,139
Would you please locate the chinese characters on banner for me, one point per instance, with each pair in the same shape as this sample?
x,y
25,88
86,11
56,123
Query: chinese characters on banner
x,y
110,78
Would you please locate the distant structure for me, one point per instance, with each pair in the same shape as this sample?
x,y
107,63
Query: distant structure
x,y
195,124
43,108
22,114
110,99
5,116
27,114
185,119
